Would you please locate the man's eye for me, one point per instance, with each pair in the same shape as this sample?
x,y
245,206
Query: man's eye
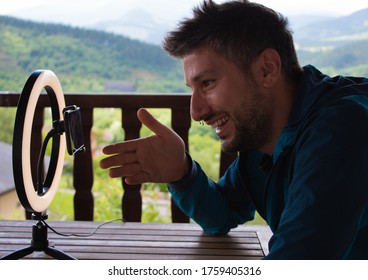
x,y
207,83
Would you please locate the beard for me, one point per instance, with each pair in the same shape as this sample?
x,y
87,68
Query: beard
x,y
253,122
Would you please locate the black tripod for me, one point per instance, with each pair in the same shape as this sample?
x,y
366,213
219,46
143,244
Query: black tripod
x,y
39,242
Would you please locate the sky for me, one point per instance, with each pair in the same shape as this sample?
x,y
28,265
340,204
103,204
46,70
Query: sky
x,y
86,13
172,8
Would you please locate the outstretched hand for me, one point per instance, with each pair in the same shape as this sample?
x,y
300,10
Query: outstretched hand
x,y
159,158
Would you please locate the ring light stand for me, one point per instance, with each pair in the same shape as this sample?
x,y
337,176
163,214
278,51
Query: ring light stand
x,y
36,200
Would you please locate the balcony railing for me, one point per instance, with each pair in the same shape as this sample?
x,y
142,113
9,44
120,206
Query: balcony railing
x,y
83,173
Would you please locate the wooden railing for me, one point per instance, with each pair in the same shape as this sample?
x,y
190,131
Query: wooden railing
x,y
83,173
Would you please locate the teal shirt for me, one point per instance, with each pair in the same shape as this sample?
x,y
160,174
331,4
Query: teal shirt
x,y
313,192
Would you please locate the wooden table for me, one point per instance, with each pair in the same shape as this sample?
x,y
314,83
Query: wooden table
x,y
138,241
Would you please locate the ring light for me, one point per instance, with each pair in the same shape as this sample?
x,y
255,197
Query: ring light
x,y
37,198
25,187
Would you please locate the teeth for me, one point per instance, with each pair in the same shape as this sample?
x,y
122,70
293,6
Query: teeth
x,y
220,122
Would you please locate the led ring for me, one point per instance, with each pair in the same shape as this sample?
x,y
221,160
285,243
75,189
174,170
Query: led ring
x,y
25,187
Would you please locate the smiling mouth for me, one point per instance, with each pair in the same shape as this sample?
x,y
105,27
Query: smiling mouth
x,y
217,125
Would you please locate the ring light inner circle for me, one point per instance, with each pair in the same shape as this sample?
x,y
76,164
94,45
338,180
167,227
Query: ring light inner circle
x,y
41,203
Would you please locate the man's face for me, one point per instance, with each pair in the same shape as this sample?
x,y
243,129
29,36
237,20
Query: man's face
x,y
227,100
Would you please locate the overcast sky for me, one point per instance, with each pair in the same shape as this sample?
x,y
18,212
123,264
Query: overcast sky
x,y
175,8
91,13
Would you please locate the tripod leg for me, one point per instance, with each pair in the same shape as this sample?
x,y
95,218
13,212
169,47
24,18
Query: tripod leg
x,y
19,253
39,243
57,254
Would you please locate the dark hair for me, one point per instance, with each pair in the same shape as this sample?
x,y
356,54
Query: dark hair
x,y
239,31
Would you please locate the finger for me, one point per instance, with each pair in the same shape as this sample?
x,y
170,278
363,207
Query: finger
x,y
122,147
138,178
151,122
118,160
125,171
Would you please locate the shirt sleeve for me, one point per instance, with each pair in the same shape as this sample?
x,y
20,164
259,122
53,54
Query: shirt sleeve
x,y
216,207
188,180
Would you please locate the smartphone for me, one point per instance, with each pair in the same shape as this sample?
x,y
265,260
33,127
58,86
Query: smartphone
x,y
73,130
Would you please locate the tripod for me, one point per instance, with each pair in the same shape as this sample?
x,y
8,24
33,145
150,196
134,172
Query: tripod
x,y
36,199
39,242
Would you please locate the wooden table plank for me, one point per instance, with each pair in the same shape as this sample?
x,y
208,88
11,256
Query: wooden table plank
x,y
139,241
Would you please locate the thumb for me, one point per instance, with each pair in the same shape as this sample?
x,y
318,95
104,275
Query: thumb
x,y
151,122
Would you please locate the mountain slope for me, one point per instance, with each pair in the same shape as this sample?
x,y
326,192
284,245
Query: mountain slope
x,y
90,60
338,45
88,55
334,32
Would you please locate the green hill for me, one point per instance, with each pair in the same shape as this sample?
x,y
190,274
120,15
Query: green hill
x,y
84,60
91,60
334,32
336,45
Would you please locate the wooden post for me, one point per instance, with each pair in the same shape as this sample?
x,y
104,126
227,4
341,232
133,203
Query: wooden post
x,y
132,198
181,123
83,172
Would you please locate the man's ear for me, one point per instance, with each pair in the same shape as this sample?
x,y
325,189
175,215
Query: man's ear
x,y
269,67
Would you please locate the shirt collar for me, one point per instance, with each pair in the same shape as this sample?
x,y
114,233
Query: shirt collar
x,y
312,83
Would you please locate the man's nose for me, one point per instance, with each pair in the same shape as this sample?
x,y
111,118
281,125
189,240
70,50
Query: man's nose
x,y
198,106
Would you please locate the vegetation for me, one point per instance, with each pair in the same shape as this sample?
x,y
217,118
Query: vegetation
x,y
87,60
84,60
336,46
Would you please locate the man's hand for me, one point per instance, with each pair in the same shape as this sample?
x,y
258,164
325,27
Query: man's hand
x,y
159,158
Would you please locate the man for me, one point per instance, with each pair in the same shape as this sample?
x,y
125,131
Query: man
x,y
302,137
